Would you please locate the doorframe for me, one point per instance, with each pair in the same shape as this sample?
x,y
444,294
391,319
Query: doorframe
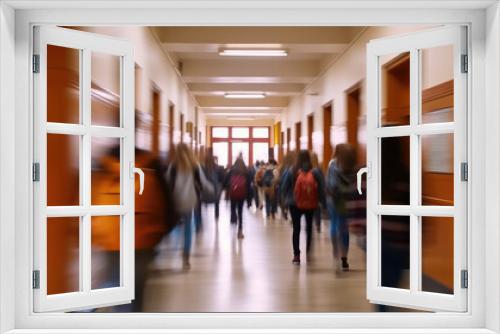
x,y
327,133
15,166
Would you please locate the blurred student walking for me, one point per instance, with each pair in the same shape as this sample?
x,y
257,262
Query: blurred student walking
x,y
303,188
238,182
185,181
341,187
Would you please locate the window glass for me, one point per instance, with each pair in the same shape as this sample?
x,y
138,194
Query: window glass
x,y
105,93
260,152
437,84
260,132
241,133
220,132
395,89
221,152
63,84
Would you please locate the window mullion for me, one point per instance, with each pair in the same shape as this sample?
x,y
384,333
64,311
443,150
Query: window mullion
x,y
86,154
415,180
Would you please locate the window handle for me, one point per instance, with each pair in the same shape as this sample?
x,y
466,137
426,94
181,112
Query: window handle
x,y
135,170
361,171
141,179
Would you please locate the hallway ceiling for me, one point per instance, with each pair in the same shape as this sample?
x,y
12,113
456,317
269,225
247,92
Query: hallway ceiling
x,y
210,76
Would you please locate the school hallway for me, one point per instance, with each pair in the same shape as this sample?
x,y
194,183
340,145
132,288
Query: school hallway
x,y
254,274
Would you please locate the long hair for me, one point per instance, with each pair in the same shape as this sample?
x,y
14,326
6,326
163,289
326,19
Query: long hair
x,y
239,166
346,157
288,161
303,161
209,161
184,158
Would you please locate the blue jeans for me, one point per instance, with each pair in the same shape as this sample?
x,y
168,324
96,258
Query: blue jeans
x,y
271,205
187,221
339,232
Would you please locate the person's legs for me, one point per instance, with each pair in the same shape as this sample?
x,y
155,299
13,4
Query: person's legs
x,y
233,212
187,238
317,219
268,205
240,218
309,225
333,229
274,207
197,217
216,209
343,233
261,197
296,215
256,197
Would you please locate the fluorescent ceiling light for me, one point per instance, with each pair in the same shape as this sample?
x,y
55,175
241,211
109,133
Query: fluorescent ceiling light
x,y
244,95
253,52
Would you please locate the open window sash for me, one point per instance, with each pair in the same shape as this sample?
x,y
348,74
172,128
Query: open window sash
x,y
414,295
83,295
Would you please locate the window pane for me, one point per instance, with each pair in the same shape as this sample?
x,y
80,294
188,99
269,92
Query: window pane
x,y
241,133
63,170
220,151
106,81
105,252
260,152
395,89
63,255
260,132
240,149
106,171
437,254
437,169
395,170
63,84
437,84
395,251
219,132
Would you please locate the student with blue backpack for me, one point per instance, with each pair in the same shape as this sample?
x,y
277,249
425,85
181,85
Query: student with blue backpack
x,y
303,189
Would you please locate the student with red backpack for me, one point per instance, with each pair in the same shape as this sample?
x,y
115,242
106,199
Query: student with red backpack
x,y
237,183
303,189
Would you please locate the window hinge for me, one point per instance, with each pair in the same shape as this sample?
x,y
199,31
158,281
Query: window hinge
x,y
36,172
36,279
464,171
465,63
464,279
36,63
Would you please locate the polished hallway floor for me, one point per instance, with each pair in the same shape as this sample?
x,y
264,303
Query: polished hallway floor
x,y
254,274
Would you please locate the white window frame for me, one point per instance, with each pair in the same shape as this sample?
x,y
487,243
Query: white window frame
x,y
86,44
15,166
413,43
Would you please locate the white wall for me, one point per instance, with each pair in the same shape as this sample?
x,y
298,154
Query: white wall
x,y
155,69
8,168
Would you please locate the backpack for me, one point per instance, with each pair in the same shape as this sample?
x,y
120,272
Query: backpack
x,y
306,191
267,179
260,176
209,194
238,187
184,186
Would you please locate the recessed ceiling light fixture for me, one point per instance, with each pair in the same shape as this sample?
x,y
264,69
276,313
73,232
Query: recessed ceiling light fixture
x,y
253,52
244,95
